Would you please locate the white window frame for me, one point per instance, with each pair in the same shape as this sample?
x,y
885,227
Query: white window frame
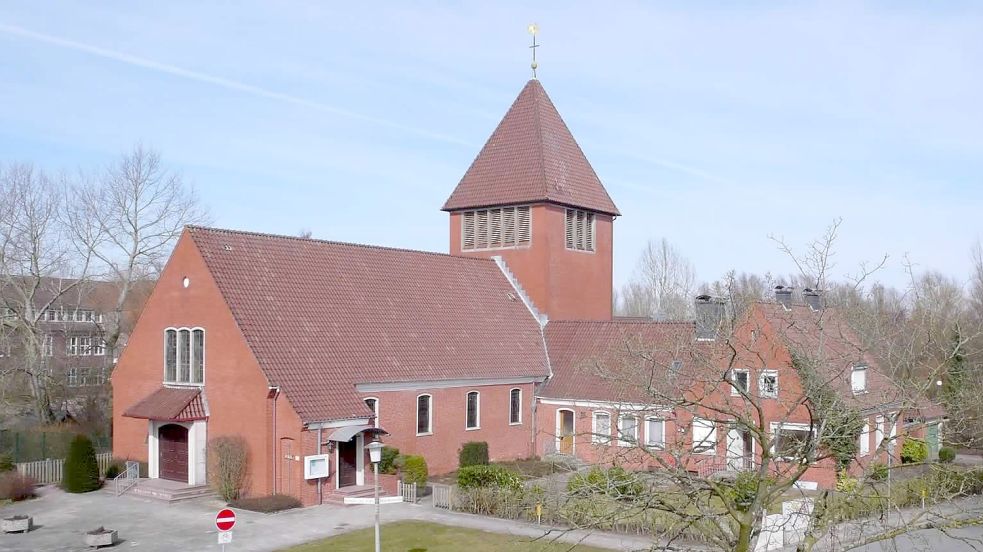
x,y
519,410
416,405
477,410
376,409
709,449
191,355
72,377
621,432
597,438
98,346
776,427
761,384
662,437
733,380
862,372
880,423
864,448
48,346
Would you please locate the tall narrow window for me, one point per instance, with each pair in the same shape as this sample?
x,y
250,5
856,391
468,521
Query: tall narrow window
x,y
467,230
473,412
424,425
739,382
627,430
373,404
170,355
198,356
602,428
865,439
704,436
183,354
515,406
48,346
858,379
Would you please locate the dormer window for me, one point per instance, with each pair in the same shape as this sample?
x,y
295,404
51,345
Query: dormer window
x,y
579,230
497,228
858,380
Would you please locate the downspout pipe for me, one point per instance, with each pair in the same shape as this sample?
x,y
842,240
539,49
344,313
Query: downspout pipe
x,y
319,497
274,392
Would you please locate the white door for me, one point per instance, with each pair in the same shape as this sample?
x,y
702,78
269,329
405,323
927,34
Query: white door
x,y
735,449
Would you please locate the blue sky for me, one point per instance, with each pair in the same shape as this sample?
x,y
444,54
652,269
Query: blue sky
x,y
710,124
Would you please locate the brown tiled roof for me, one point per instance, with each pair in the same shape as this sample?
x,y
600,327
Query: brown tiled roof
x,y
616,360
321,317
171,404
531,157
825,338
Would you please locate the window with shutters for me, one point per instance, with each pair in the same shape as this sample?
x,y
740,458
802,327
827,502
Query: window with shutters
x,y
184,355
496,228
579,230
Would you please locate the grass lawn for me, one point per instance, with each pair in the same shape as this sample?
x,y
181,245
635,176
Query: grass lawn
x,y
420,536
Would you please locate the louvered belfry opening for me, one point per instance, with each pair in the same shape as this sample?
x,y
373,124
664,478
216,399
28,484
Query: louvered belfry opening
x,y
496,228
579,230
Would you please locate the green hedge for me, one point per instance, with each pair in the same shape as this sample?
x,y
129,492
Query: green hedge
x,y
471,477
81,468
913,451
946,455
387,464
473,453
6,463
413,469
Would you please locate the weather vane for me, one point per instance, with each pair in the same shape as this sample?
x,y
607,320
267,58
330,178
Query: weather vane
x,y
533,29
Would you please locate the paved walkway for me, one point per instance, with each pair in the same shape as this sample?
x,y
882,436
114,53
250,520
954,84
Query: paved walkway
x,y
148,525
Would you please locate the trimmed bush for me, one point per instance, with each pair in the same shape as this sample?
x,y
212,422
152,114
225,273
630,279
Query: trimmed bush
x,y
6,463
266,504
413,469
81,468
471,477
473,453
14,486
114,469
615,482
387,464
946,455
227,466
913,451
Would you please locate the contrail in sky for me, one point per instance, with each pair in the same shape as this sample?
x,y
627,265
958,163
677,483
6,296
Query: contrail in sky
x,y
229,84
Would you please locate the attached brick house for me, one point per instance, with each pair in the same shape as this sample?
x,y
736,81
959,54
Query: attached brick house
x,y
305,347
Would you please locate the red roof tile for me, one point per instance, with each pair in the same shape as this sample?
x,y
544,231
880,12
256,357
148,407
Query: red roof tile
x,y
172,404
531,157
321,317
603,360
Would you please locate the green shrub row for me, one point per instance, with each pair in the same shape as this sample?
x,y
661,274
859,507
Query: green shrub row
x,y
412,469
913,451
500,477
473,453
615,482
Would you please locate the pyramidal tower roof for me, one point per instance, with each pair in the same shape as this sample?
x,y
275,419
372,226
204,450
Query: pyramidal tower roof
x,y
531,157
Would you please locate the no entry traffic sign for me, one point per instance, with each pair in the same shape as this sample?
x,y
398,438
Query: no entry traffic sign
x,y
225,520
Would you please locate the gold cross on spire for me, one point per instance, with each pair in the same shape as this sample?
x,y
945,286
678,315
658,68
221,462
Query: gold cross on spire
x,y
533,29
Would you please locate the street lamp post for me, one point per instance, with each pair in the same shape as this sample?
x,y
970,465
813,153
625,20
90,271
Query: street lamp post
x,y
375,456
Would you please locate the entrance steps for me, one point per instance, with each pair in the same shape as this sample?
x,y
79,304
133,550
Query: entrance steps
x,y
338,496
170,491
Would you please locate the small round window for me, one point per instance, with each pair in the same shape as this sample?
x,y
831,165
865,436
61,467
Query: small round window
x,y
186,281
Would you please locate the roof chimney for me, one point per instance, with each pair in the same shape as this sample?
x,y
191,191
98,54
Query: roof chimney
x,y
813,298
709,316
783,295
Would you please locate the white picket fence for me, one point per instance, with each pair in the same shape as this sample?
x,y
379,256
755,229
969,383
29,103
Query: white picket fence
x,y
49,471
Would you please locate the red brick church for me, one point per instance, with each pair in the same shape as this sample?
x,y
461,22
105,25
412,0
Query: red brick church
x,y
306,347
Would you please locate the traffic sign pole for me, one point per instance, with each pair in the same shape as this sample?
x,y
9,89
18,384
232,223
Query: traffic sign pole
x,y
225,520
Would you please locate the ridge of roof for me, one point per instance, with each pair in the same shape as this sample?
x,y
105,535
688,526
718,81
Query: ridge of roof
x,y
628,322
196,228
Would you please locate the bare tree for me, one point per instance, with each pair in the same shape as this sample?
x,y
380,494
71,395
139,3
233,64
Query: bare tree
x,y
662,285
128,220
39,267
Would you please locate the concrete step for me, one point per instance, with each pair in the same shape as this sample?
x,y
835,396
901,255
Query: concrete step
x,y
337,496
169,494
